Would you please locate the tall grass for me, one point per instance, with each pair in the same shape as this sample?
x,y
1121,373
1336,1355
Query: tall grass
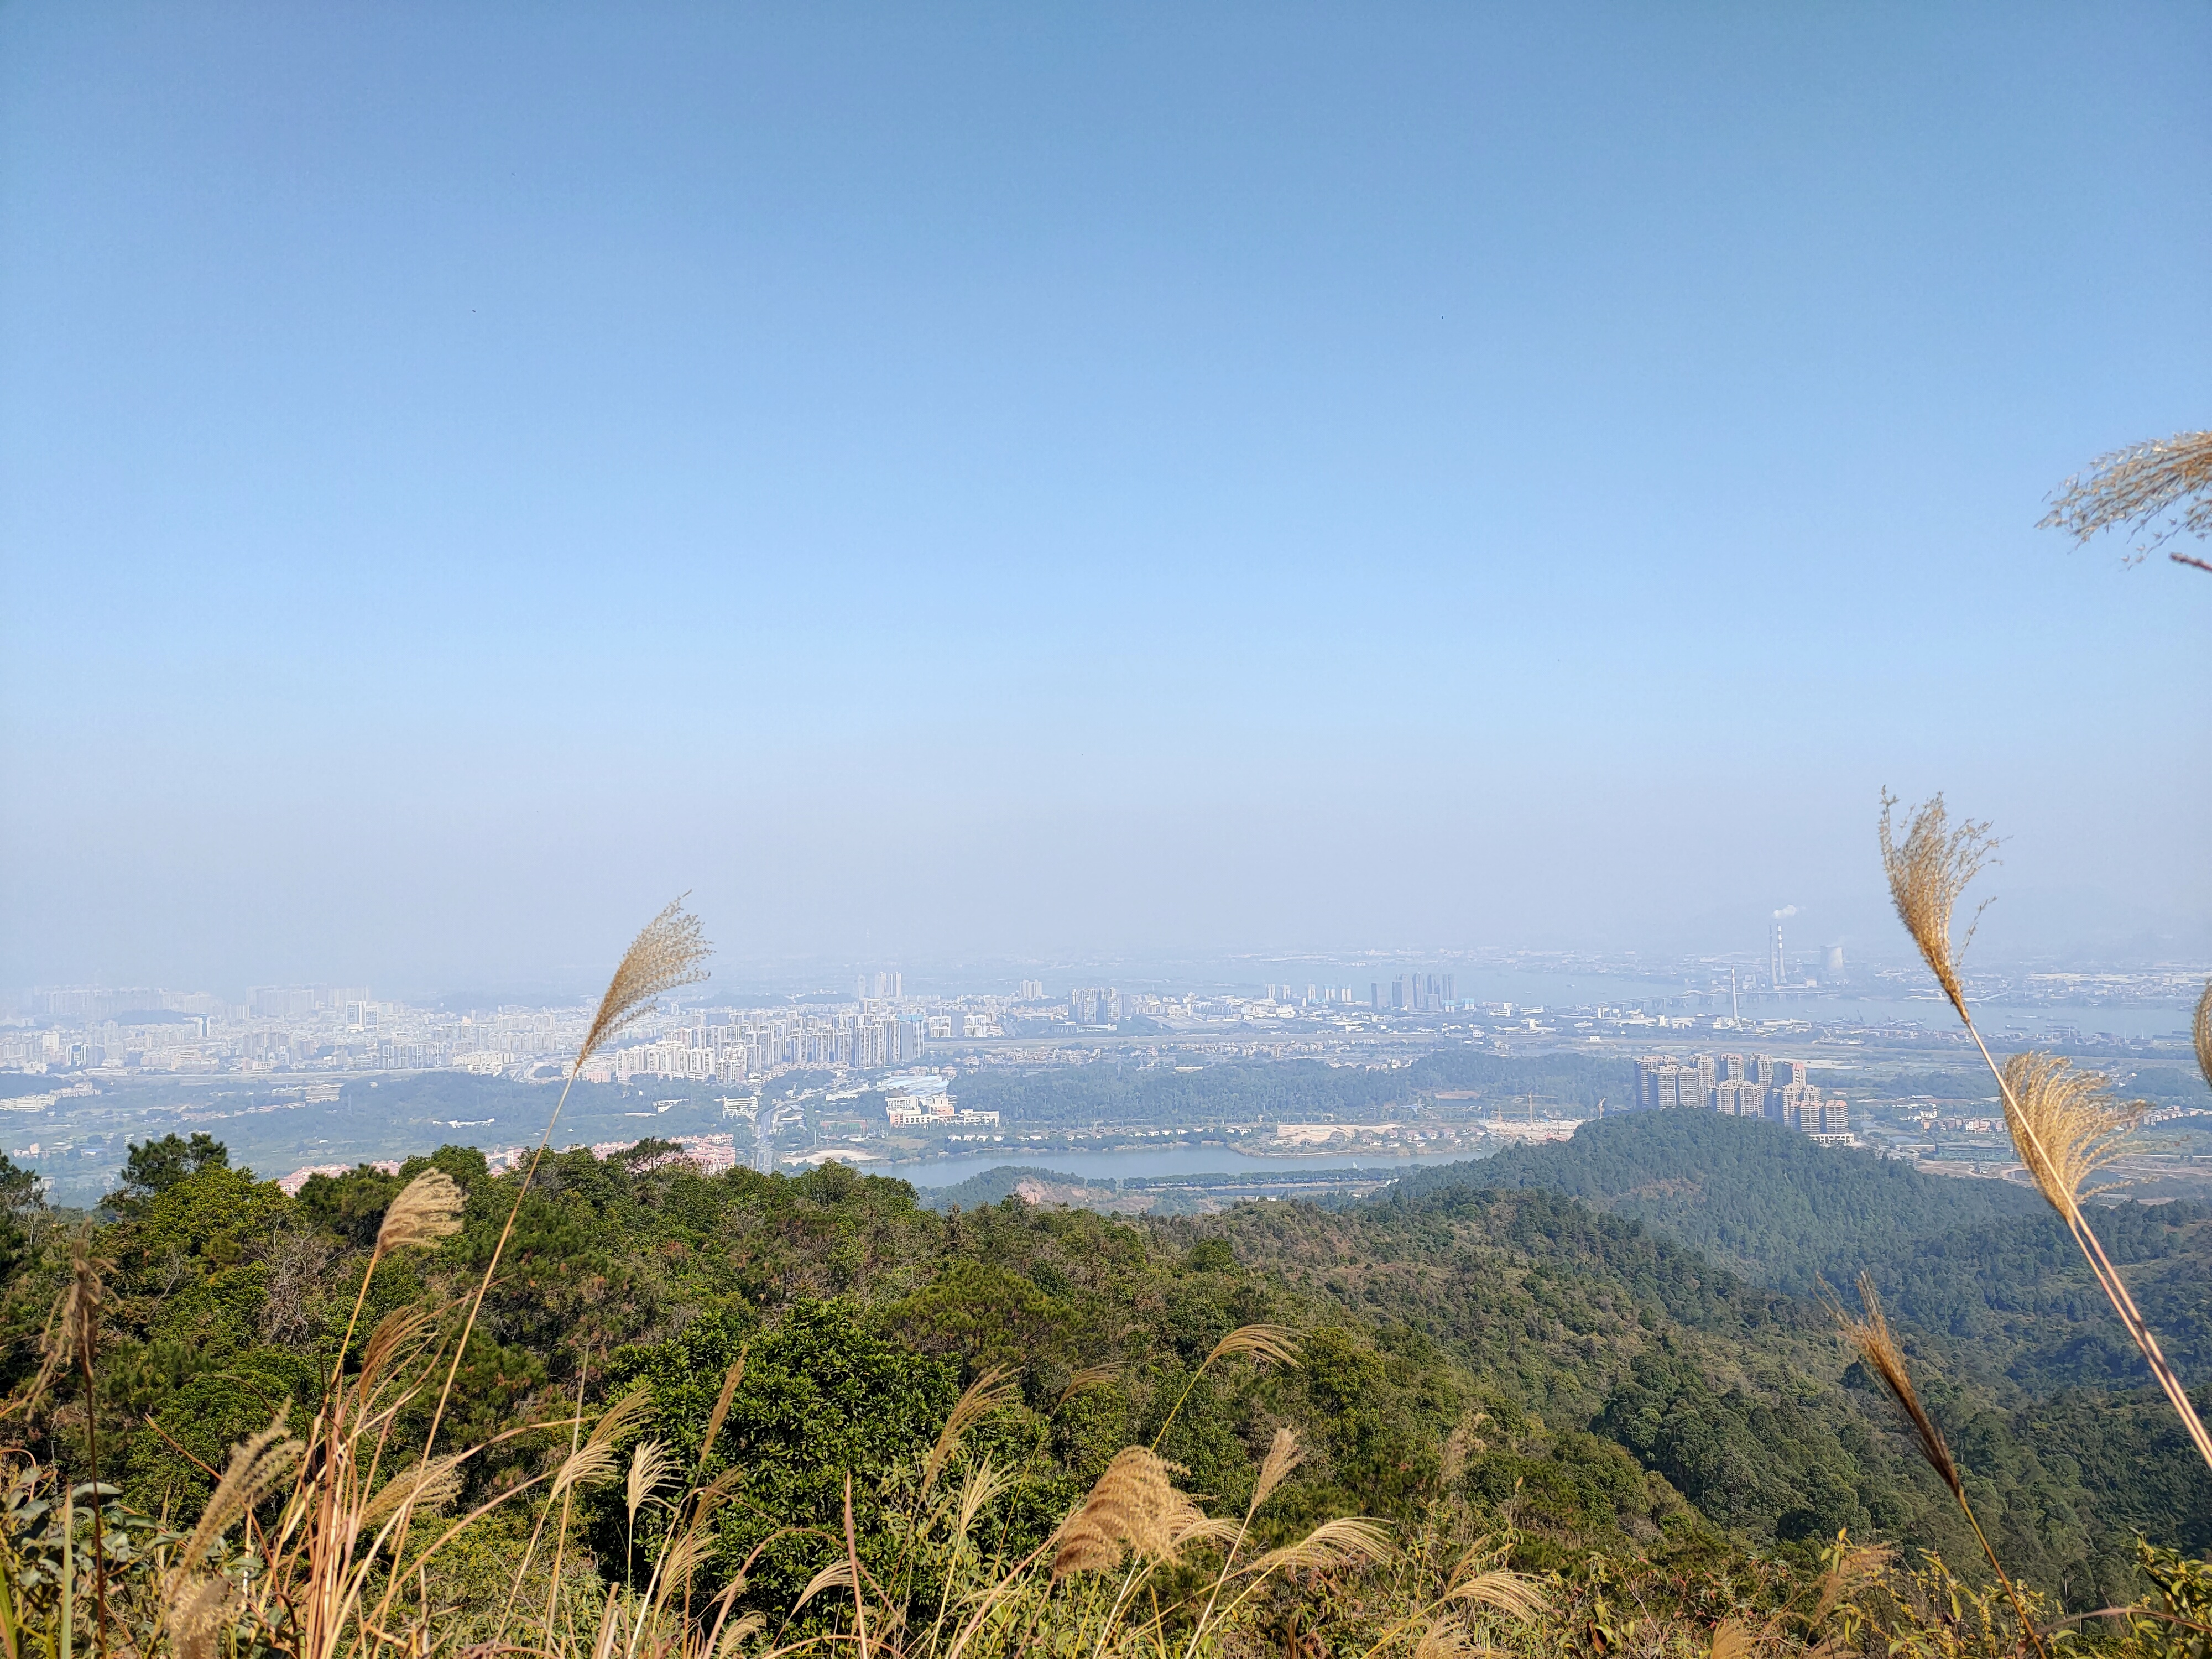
x,y
2066,1126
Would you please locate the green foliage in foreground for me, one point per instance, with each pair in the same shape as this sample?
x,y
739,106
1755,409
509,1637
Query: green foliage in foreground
x,y
1513,1353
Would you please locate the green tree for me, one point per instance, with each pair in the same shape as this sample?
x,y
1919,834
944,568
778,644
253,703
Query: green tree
x,y
157,1165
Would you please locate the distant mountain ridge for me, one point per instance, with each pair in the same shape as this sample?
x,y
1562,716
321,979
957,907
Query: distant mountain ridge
x,y
1981,1263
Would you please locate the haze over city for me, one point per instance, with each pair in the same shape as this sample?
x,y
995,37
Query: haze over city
x,y
977,485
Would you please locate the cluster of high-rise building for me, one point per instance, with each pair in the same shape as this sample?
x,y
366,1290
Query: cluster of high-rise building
x,y
756,1042
1739,1085
1095,1005
1415,993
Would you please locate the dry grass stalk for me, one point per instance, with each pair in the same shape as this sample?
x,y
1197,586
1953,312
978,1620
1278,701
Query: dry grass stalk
x,y
1515,1594
1091,1377
1134,1505
2201,1030
427,1209
667,953
1284,1455
430,1486
1341,1542
1262,1342
1877,1347
1444,1638
985,1481
984,1395
1850,1568
2166,478
717,1417
255,1468
1879,1351
650,1466
2066,1125
197,1610
1929,869
1731,1640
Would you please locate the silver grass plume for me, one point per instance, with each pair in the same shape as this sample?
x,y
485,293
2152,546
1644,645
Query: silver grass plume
x,y
667,952
2166,478
1928,871
2066,1125
427,1209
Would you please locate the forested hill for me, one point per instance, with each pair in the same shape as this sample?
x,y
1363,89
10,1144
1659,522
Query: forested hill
x,y
1515,1350
1980,1262
1777,1205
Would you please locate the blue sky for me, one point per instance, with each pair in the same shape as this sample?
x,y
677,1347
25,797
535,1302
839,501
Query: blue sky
x,y
1023,479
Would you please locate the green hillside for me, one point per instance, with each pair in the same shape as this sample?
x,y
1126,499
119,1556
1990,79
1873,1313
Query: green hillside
x,y
1609,1386
1981,1263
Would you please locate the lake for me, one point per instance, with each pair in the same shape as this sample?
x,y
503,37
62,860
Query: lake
x,y
1160,1161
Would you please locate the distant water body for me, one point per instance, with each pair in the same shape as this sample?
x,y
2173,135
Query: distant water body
x,y
1164,1161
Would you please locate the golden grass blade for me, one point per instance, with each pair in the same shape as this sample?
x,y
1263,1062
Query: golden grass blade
x,y
1091,1377
1877,1347
985,1394
1515,1594
595,1460
717,1417
617,1421
1284,1455
1929,870
650,1466
1444,1638
837,1575
427,1486
1731,1640
255,1468
667,952
737,1635
1337,1543
427,1209
1850,1568
2203,1032
2066,1125
195,1613
1134,1505
1263,1342
985,1481
399,1336
2137,486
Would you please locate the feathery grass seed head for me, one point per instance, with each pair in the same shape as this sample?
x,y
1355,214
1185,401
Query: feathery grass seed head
x,y
255,1468
1134,1505
667,952
715,1417
650,1466
2169,479
2066,1124
1342,1542
427,1209
1284,1456
985,1394
1263,1342
1877,1345
1091,1377
1929,869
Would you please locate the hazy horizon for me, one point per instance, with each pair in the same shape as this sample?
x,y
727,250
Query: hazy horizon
x,y
980,485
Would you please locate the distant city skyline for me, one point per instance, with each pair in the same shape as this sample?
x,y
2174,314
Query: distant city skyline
x,y
959,482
